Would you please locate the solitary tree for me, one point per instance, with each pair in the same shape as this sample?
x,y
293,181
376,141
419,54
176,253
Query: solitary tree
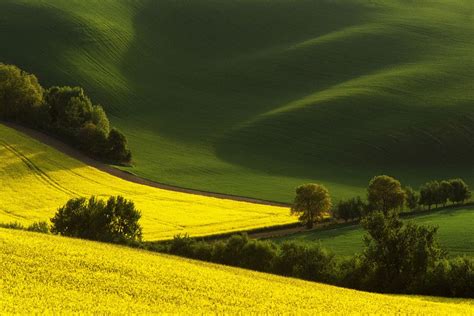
x,y
385,194
311,202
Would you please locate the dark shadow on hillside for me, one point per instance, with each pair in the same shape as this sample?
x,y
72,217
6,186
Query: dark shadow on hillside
x,y
190,61
35,38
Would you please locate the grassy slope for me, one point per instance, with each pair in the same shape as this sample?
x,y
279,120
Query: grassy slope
x,y
456,231
51,274
253,97
35,180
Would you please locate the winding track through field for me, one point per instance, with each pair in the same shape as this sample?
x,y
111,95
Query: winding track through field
x,y
70,151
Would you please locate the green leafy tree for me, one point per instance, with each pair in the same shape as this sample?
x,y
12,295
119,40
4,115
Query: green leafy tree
x,y
118,147
411,198
385,194
21,95
69,109
398,256
428,194
113,221
460,192
100,119
444,192
312,201
92,139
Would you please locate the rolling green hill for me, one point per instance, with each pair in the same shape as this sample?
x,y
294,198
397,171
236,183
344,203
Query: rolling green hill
x,y
254,97
45,274
456,228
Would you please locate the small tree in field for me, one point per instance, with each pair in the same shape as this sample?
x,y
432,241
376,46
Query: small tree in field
x,y
311,202
385,194
115,221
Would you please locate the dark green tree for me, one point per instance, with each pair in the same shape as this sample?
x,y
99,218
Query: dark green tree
x,y
118,147
350,209
411,198
429,194
21,95
460,192
398,255
312,201
113,221
385,194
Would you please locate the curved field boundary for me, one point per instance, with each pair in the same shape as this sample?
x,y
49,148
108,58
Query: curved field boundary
x,y
76,154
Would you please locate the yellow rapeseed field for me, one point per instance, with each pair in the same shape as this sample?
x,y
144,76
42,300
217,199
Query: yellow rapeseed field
x,y
43,273
36,179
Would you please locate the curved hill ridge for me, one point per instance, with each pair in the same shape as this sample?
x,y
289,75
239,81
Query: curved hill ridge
x,y
254,97
42,273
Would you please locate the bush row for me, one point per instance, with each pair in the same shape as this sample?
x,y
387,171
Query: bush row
x,y
449,277
66,112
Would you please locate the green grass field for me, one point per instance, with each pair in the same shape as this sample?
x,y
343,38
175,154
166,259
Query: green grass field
x,y
456,231
253,97
49,275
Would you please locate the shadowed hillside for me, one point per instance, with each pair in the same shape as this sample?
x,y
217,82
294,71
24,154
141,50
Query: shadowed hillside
x,y
253,97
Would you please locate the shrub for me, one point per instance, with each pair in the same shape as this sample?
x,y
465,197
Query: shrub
x,y
115,221
350,209
306,262
39,227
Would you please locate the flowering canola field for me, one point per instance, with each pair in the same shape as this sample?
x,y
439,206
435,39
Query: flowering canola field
x,y
43,273
36,179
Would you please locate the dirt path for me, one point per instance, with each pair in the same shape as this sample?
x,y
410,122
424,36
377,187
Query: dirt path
x,y
70,151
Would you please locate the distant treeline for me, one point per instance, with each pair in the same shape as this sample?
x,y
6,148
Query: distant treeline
x,y
433,193
66,112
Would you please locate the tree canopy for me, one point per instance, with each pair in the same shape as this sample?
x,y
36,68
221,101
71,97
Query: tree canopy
x,y
311,202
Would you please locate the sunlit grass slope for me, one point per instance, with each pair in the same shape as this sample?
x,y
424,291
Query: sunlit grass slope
x,y
456,231
35,180
253,97
42,273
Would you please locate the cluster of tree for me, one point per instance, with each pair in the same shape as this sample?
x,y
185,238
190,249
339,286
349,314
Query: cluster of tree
x,y
313,201
398,257
432,193
114,221
65,111
440,192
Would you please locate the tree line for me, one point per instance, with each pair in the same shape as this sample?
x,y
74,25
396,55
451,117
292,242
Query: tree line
x,y
66,112
433,193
